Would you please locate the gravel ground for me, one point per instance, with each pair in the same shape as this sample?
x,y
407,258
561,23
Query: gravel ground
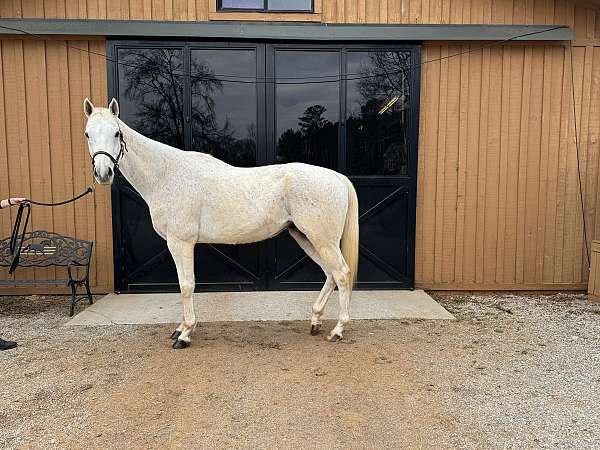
x,y
511,372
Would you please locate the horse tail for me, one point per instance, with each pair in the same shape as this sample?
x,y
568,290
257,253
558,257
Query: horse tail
x,y
349,244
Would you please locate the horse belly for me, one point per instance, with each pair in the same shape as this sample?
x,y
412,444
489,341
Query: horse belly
x,y
243,223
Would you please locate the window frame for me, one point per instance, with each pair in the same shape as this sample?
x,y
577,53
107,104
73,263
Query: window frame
x,y
265,8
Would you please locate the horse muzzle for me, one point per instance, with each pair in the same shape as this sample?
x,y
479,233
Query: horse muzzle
x,y
105,176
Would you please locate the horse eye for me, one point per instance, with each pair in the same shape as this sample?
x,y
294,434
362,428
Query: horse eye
x,y
87,135
117,134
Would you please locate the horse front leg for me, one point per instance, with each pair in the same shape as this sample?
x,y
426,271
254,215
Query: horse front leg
x,y
183,255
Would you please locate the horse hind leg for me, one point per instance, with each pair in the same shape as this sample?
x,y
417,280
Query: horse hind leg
x,y
334,262
328,287
183,255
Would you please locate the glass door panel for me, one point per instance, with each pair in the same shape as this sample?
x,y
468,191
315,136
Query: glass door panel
x,y
307,106
224,108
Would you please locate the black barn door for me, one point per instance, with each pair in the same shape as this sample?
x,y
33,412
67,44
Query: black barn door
x,y
350,108
353,110
171,93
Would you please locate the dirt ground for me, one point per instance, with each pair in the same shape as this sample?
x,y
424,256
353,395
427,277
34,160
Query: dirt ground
x,y
510,372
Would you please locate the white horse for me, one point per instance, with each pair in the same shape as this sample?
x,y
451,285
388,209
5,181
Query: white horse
x,y
196,198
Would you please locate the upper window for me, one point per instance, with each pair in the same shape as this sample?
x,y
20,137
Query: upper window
x,y
266,5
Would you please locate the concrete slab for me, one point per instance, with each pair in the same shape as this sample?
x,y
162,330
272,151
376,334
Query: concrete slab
x,y
256,306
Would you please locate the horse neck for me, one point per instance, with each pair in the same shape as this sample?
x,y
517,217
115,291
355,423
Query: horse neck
x,y
142,160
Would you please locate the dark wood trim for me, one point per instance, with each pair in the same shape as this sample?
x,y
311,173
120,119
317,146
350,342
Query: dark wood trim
x,y
281,30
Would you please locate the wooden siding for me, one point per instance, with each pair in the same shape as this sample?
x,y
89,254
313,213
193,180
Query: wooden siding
x,y
498,192
43,154
577,14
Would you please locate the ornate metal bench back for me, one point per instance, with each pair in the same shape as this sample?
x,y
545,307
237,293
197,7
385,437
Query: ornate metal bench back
x,y
44,248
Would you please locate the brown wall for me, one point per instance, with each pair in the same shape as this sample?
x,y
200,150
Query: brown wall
x,y
498,194
42,151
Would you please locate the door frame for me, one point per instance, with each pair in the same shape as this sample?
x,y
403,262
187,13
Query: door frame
x,y
365,180
266,132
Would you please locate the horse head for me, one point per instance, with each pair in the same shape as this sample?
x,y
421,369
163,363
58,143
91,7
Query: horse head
x,y
104,138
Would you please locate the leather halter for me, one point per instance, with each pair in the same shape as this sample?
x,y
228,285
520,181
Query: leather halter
x,y
115,161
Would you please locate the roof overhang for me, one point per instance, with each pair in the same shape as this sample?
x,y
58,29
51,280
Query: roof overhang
x,y
284,31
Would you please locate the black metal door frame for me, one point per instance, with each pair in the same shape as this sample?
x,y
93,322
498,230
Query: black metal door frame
x,y
266,135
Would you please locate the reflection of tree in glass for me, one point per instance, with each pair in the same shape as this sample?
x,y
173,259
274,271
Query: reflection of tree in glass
x,y
385,75
155,84
378,142
314,142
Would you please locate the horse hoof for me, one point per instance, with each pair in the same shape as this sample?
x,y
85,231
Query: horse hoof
x,y
180,344
334,338
315,329
175,335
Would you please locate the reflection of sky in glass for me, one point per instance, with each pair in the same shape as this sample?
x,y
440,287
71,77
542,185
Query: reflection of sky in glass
x,y
358,65
243,4
293,99
236,102
291,5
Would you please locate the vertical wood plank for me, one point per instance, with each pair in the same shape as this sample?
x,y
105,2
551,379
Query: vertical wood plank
x,y
532,183
586,155
158,9
32,8
136,9
482,169
440,166
383,11
78,90
180,10
472,162
522,177
57,76
168,10
545,164
373,10
54,9
565,125
435,11
16,126
594,137
341,11
451,168
429,151
504,157
492,167
38,139
414,11
5,219
514,132
574,214
202,9
361,11
556,103
463,127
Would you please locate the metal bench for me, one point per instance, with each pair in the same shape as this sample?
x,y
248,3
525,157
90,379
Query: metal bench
x,y
45,249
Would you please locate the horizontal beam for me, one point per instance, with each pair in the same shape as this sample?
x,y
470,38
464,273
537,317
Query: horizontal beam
x,y
283,31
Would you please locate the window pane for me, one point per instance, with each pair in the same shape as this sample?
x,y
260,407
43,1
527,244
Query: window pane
x,y
378,113
289,5
151,92
307,114
242,4
224,113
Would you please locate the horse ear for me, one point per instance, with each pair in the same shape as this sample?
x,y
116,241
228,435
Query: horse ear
x,y
113,107
88,108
